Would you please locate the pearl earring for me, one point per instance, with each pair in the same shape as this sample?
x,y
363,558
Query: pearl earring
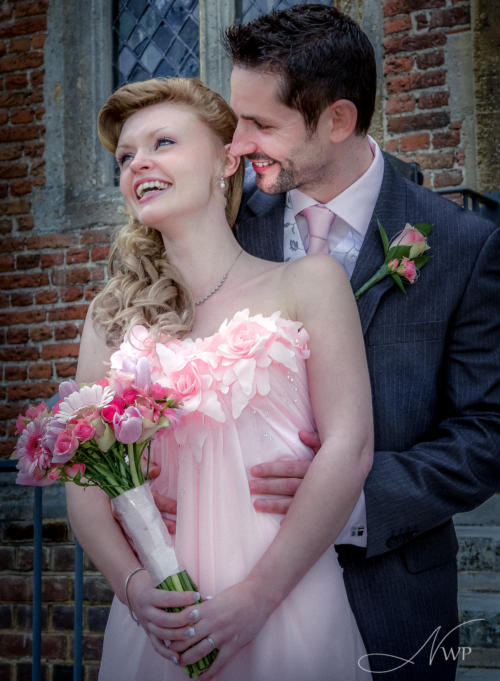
x,y
222,183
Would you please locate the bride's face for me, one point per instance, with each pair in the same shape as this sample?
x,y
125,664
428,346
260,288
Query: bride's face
x,y
170,163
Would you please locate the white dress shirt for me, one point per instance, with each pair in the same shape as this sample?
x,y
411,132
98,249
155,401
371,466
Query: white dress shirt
x,y
354,208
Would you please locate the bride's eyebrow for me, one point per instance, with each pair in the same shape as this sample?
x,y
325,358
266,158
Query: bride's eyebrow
x,y
126,145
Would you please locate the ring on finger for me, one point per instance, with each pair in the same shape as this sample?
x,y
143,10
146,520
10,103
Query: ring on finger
x,y
212,642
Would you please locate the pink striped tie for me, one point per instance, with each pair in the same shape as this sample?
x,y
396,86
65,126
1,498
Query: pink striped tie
x,y
319,219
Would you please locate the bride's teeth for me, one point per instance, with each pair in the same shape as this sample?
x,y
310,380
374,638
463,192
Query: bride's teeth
x,y
145,186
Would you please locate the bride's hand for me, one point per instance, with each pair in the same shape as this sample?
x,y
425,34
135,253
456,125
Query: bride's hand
x,y
149,606
227,622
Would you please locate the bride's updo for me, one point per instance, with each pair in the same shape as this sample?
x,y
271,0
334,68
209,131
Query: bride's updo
x,y
144,288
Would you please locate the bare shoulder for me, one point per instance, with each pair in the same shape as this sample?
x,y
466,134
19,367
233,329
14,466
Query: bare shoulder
x,y
94,352
307,278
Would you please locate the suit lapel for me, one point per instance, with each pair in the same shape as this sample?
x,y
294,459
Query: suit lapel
x,y
262,234
391,210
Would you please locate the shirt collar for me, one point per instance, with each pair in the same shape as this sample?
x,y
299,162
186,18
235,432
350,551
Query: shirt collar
x,y
355,205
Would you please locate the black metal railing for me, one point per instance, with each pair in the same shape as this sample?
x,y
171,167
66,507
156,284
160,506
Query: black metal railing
x,y
488,205
9,466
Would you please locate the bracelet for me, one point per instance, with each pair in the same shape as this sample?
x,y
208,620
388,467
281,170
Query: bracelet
x,y
127,580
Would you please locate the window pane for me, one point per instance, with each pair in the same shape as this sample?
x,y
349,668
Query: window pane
x,y
155,38
251,9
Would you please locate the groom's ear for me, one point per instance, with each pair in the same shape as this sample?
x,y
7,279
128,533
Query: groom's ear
x,y
343,118
231,162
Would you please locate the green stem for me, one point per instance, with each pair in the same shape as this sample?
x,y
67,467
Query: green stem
x,y
181,581
382,272
132,464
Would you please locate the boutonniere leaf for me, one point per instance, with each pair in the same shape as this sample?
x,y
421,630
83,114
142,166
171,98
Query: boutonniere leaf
x,y
404,256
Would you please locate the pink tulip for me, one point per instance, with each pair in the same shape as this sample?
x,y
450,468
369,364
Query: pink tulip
x,y
146,406
128,426
68,387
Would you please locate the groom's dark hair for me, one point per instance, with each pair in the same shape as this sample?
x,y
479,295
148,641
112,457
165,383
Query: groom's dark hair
x,y
321,55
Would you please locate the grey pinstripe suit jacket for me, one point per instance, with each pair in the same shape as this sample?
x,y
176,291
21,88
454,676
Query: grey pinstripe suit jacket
x,y
434,360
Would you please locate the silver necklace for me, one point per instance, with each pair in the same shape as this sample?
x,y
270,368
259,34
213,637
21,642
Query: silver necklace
x,y
202,300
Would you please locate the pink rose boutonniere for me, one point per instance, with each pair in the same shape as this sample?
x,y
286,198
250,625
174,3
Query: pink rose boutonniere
x,y
404,256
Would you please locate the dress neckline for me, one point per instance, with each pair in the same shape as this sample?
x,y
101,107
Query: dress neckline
x,y
273,316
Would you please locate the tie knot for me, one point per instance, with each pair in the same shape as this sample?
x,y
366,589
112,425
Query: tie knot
x,y
319,219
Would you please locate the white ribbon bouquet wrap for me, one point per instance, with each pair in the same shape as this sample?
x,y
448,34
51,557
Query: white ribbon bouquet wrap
x,y
141,518
139,515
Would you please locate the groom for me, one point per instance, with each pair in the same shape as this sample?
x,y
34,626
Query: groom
x,y
303,87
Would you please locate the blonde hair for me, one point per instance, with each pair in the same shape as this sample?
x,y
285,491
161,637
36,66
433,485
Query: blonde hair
x,y
144,288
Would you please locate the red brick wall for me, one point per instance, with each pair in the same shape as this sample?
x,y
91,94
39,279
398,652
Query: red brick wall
x,y
46,281
419,124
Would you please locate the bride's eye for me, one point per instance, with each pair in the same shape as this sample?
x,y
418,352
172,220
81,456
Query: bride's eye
x,y
124,158
164,142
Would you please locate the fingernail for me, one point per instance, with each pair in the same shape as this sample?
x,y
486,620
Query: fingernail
x,y
174,659
193,615
257,470
189,632
167,643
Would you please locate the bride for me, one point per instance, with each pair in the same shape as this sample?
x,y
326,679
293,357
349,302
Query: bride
x,y
271,348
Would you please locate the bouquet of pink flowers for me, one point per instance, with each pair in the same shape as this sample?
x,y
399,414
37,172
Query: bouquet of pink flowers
x,y
100,435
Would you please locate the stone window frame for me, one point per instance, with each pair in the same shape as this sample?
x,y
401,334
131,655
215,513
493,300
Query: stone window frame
x,y
79,191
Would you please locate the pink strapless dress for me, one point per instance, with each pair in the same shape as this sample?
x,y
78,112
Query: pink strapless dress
x,y
245,398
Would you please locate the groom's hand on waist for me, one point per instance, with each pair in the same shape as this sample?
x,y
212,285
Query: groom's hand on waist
x,y
281,479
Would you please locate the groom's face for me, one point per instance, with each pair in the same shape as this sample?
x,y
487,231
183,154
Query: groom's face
x,y
274,138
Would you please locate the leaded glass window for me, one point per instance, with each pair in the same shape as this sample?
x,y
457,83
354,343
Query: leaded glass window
x,y
155,38
249,10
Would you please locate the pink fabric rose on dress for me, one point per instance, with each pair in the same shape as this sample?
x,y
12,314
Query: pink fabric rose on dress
x,y
193,384
247,345
244,336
